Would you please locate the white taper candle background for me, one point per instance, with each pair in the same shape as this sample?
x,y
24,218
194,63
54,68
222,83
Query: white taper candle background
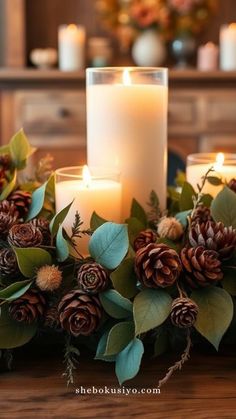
x,y
127,129
228,47
71,47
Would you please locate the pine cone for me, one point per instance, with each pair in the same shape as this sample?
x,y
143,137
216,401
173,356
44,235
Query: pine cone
x,y
5,161
202,267
28,308
80,314
144,238
184,312
9,208
232,185
51,317
201,215
214,236
92,278
43,226
8,263
25,235
7,221
157,265
21,200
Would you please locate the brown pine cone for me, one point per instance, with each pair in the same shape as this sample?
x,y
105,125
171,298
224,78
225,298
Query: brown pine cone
x,y
214,236
28,308
5,161
51,317
7,221
9,208
25,235
183,312
92,278
201,267
157,265
80,314
232,185
144,238
43,226
8,263
201,215
21,200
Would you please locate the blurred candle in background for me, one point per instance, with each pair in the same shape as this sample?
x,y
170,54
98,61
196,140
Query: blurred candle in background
x,y
208,57
71,45
228,47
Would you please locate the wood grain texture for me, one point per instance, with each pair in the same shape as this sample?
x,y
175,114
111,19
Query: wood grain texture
x,y
204,389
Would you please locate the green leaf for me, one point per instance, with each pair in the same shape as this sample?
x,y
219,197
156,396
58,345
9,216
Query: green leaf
x,y
16,290
62,246
229,281
215,313
5,149
180,178
214,180
186,197
223,207
151,309
128,361
161,342
207,200
124,279
38,197
182,217
14,334
119,336
29,259
101,349
116,305
96,221
138,212
9,188
20,149
134,228
58,219
109,244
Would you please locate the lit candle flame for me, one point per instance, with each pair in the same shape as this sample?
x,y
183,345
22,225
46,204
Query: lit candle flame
x,y
86,176
126,78
220,158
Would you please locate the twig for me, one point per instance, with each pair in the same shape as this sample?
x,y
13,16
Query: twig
x,y
71,361
197,200
179,364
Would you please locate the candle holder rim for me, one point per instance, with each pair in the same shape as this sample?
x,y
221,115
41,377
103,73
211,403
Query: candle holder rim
x,y
197,158
123,68
105,172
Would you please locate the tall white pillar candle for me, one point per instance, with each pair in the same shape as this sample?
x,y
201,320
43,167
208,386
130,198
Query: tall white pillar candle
x,y
100,193
127,128
228,47
208,57
71,45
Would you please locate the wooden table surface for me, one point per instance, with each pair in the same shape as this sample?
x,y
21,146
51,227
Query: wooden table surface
x,y
205,388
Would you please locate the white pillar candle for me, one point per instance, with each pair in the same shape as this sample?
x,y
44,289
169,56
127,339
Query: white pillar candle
x,y
224,168
127,129
99,194
208,57
228,47
71,44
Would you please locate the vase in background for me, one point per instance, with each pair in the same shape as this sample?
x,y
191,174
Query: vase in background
x,y
148,49
183,49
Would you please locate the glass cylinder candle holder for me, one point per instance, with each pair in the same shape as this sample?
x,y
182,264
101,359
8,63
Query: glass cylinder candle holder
x,y
224,166
94,189
127,128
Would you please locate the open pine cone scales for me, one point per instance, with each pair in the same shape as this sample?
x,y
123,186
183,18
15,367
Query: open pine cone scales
x,y
201,267
29,307
214,236
184,312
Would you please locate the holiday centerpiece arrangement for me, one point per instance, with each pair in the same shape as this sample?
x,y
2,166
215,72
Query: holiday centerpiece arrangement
x,y
156,283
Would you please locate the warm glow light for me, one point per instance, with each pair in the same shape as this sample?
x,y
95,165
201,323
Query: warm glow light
x,y
86,176
126,78
220,158
232,26
72,27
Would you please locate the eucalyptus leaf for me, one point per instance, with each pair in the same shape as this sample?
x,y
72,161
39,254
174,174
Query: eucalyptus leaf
x,y
109,244
186,197
29,259
138,212
119,337
128,361
20,149
206,200
58,219
12,333
124,279
16,290
96,221
134,228
215,313
39,196
115,305
101,349
214,180
9,187
182,217
223,207
62,246
151,309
